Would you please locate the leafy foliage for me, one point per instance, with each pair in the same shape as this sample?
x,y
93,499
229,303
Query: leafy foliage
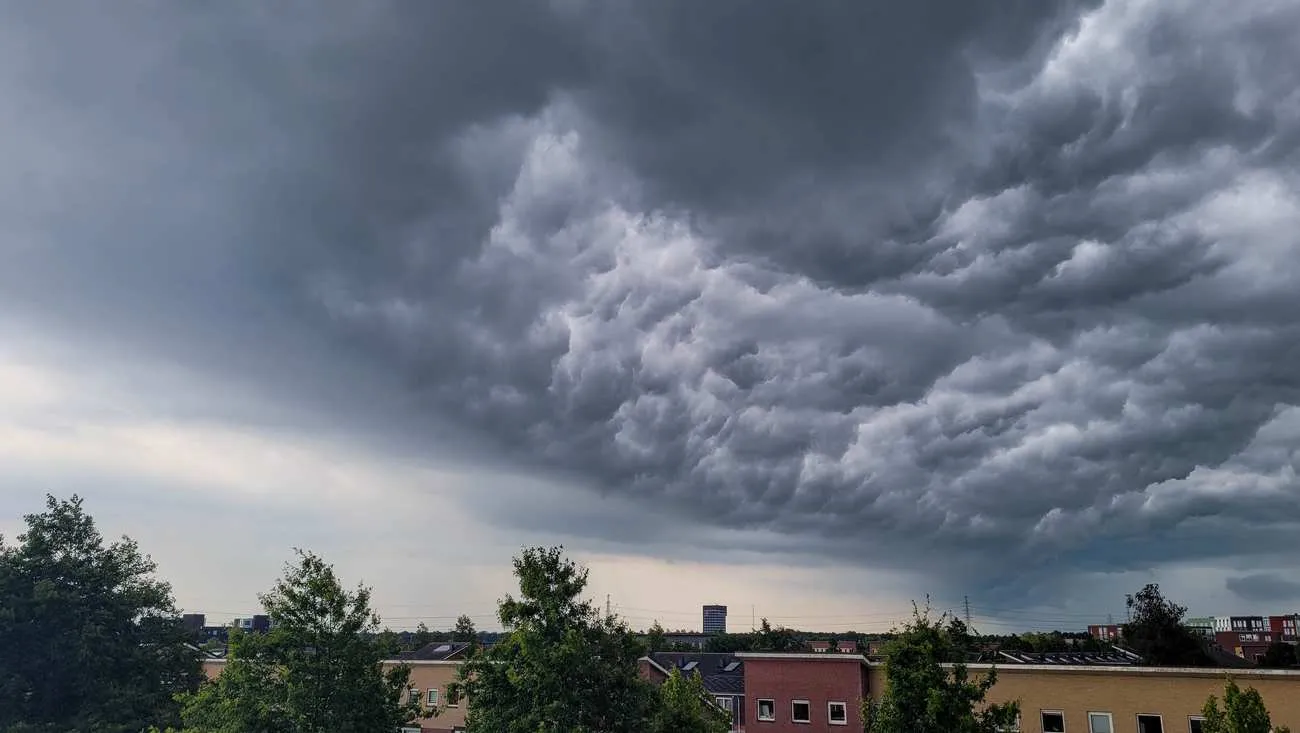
x,y
654,638
464,630
1242,712
1156,631
317,671
923,695
89,639
775,638
562,667
684,707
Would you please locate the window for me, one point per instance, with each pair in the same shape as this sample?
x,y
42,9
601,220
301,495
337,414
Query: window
x,y
767,709
413,696
433,698
723,703
800,711
1053,722
837,713
1014,728
1151,724
1100,723
453,696
1196,725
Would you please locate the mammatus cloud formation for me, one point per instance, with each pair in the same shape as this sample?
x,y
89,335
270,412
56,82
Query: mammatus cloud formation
x,y
985,290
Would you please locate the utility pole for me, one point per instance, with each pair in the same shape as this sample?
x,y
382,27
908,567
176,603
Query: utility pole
x,y
966,602
753,618
608,613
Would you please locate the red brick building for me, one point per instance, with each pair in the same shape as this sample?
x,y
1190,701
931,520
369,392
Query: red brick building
x,y
804,692
1104,632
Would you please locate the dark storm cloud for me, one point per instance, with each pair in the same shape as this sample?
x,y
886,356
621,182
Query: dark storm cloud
x,y
1006,282
1264,587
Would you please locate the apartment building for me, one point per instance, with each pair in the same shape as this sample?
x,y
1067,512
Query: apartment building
x,y
1104,632
824,692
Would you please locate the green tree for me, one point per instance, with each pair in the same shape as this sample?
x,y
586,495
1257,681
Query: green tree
x,y
422,637
684,707
1157,633
319,669
1279,655
1242,712
730,643
89,638
654,638
464,630
924,695
561,667
775,638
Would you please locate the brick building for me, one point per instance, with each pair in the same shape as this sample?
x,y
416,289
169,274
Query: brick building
x,y
804,692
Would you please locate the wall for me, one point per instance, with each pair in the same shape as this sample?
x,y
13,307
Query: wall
x,y
1174,694
825,678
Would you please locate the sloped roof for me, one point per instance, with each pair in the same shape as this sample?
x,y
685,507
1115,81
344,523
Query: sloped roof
x,y
723,674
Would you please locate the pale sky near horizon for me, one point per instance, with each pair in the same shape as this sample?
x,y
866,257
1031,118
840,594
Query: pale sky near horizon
x,y
807,309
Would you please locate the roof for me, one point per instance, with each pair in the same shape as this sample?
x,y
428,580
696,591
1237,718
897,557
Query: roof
x,y
437,651
1117,658
723,674
801,657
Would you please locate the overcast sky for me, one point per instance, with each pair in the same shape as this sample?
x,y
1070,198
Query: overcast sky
x,y
807,308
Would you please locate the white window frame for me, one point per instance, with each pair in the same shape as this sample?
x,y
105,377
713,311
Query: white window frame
x,y
723,702
1138,720
1192,718
800,702
431,698
413,695
830,719
1041,713
758,709
1109,719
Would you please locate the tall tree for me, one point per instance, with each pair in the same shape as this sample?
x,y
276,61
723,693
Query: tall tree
x,y
1156,631
318,670
654,638
562,667
464,630
684,707
1242,712
923,695
89,638
422,637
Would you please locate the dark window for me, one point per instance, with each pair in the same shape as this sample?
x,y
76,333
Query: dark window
x,y
1196,725
767,710
800,711
1053,722
1150,724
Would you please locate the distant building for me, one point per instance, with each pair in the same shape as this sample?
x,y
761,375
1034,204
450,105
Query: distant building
x,y
1202,626
1104,632
193,623
715,620
1286,628
819,646
846,646
259,624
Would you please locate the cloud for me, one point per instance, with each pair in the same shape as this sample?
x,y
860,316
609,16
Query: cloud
x,y
991,294
1264,587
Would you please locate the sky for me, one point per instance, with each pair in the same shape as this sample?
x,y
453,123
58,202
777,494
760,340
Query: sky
x,y
811,309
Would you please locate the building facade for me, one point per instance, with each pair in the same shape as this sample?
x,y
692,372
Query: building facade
x,y
715,620
1104,632
804,692
723,676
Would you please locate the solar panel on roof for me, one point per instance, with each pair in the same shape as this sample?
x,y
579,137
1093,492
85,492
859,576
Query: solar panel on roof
x,y
689,666
731,667
443,648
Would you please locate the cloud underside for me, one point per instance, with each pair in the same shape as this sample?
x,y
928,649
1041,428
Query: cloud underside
x,y
1010,284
